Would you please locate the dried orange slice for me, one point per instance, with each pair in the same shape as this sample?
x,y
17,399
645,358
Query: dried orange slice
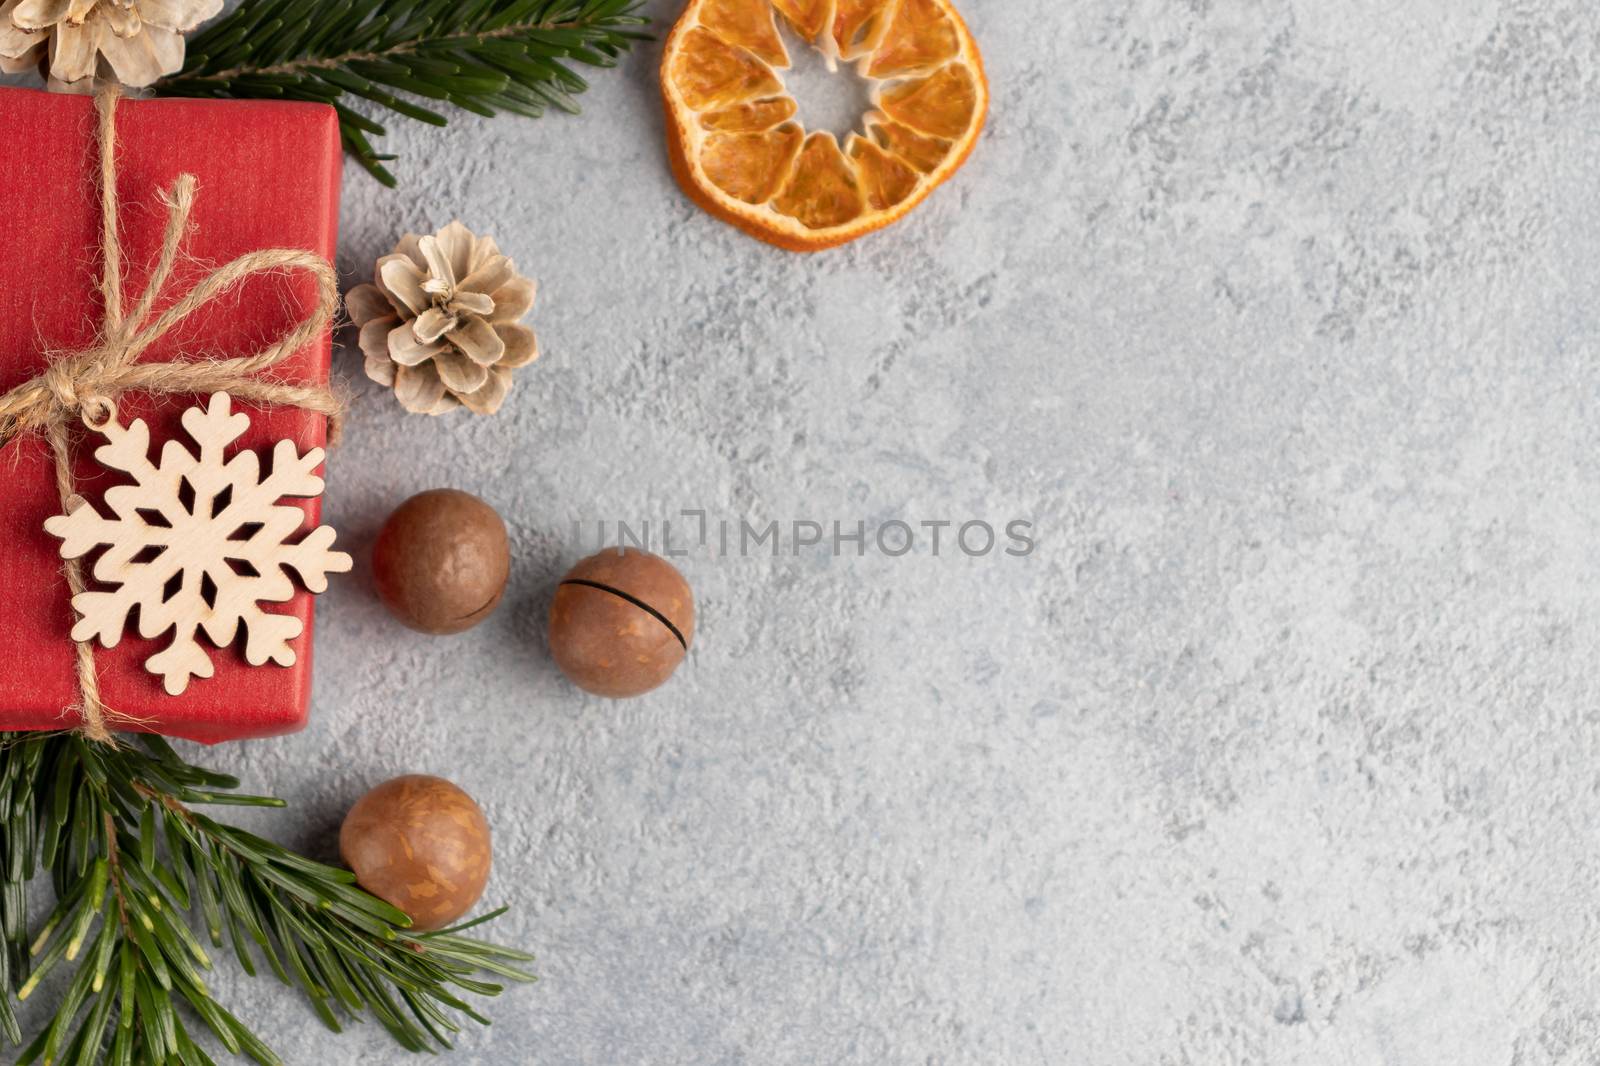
x,y
739,151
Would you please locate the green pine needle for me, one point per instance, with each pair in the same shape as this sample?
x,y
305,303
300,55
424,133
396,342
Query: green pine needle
x,y
133,865
484,56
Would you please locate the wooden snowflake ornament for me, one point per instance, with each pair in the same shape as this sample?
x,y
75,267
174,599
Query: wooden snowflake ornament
x,y
196,544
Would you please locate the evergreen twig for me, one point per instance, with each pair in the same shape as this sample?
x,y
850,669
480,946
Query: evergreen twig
x,y
132,861
484,56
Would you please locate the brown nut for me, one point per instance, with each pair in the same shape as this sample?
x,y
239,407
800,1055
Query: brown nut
x,y
421,844
621,623
441,561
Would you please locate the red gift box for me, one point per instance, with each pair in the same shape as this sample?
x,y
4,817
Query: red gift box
x,y
268,178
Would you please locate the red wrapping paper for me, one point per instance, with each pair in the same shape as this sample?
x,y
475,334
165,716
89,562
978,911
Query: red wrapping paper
x,y
268,178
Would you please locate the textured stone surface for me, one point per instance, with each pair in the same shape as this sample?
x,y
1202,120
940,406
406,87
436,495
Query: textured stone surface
x,y
1278,319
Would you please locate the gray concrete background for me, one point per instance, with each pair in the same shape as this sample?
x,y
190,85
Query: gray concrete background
x,y
1278,319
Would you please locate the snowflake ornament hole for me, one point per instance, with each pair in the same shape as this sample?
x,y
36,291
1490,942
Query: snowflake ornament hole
x,y
148,554
242,567
198,543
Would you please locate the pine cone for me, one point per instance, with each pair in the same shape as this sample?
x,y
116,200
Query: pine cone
x,y
140,40
441,322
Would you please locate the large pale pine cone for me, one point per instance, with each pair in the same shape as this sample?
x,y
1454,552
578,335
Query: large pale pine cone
x,y
441,323
139,40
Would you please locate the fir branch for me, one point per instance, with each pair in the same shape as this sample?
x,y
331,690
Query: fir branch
x,y
484,56
132,861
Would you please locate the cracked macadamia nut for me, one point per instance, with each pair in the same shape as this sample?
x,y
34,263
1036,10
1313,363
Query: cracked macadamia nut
x,y
441,561
621,622
421,844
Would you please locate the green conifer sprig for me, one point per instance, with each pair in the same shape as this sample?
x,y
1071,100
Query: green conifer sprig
x,y
485,56
134,866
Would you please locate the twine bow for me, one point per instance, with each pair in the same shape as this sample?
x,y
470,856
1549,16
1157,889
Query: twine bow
x,y
86,384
